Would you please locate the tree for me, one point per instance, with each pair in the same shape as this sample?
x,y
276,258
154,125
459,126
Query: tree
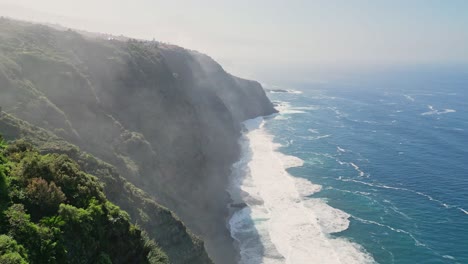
x,y
11,252
18,220
45,197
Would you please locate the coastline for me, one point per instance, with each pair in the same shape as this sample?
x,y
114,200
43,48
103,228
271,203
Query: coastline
x,y
168,121
272,219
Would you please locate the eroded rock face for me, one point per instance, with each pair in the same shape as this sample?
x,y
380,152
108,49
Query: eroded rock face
x,y
167,118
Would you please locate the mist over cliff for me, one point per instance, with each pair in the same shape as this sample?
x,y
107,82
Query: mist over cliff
x,y
166,119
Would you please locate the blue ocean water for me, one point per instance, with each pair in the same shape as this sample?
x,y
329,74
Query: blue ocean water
x,y
391,150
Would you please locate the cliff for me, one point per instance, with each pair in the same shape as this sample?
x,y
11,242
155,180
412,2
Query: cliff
x,y
162,118
160,224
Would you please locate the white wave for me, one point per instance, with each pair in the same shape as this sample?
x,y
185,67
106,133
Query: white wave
x,y
289,161
278,89
290,91
280,223
340,149
463,210
305,187
356,167
285,108
434,111
314,138
337,112
397,230
409,97
294,91
446,111
320,137
281,105
331,220
430,198
310,107
450,128
341,162
323,97
364,194
369,122
281,117
315,131
396,210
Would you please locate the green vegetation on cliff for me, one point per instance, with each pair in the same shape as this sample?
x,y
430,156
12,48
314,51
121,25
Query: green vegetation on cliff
x,y
52,212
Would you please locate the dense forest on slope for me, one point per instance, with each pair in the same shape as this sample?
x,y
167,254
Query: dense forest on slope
x,y
161,118
51,212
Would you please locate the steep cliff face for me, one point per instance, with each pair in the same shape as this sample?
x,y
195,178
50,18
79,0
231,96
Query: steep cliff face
x,y
161,225
167,118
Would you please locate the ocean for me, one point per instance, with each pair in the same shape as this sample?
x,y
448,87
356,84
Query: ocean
x,y
361,168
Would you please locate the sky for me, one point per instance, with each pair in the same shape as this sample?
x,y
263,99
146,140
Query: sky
x,y
255,38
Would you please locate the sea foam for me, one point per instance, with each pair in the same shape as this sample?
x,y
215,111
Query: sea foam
x,y
434,111
281,223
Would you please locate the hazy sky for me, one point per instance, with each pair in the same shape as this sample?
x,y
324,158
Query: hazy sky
x,y
252,36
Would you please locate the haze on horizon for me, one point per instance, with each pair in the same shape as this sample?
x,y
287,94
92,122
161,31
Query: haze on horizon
x,y
260,38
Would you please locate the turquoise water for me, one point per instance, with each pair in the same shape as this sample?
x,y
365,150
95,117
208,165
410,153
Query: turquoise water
x,y
391,150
